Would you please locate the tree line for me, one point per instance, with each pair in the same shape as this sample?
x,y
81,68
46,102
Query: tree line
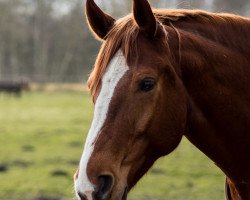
x,y
49,41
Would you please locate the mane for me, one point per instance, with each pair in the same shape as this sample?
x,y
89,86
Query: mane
x,y
125,31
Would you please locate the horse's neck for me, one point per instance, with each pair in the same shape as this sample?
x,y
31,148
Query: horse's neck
x,y
216,75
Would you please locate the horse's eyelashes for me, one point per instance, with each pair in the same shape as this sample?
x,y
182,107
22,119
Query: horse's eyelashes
x,y
146,84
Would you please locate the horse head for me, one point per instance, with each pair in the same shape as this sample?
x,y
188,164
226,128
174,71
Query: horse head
x,y
140,103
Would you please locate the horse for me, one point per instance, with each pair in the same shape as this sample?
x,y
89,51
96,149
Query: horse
x,y
161,75
14,87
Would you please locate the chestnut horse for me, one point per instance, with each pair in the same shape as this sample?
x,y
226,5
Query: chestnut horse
x,y
161,75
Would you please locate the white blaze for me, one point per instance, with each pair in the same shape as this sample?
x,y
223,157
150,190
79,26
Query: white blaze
x,y
115,71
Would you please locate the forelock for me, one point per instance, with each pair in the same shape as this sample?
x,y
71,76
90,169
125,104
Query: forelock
x,y
122,36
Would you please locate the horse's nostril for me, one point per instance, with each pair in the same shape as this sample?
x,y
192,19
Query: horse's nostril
x,y
82,196
104,187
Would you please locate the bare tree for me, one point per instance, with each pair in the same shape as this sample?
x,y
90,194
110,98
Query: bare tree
x,y
50,40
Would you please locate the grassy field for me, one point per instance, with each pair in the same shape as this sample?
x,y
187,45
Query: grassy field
x,y
41,140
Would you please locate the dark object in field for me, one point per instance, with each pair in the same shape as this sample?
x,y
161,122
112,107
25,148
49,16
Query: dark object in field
x,y
28,148
59,172
3,168
157,171
14,87
75,144
21,163
73,162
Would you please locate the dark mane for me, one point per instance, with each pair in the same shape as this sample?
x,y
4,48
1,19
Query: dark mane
x,y
124,34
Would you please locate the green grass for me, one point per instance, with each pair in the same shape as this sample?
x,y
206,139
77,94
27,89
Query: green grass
x,y
43,133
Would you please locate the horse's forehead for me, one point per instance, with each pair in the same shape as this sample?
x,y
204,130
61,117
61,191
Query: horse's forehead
x,y
116,68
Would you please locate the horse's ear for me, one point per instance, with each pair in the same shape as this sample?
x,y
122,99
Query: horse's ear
x,y
99,22
144,17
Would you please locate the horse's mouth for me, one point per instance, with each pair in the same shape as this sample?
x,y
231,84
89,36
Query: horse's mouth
x,y
119,197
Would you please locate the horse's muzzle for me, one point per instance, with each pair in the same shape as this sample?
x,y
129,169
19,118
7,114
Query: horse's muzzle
x,y
102,195
103,191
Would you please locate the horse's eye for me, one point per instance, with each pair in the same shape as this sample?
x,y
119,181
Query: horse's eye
x,y
147,84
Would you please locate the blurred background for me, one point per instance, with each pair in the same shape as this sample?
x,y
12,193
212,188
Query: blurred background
x,y
46,54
